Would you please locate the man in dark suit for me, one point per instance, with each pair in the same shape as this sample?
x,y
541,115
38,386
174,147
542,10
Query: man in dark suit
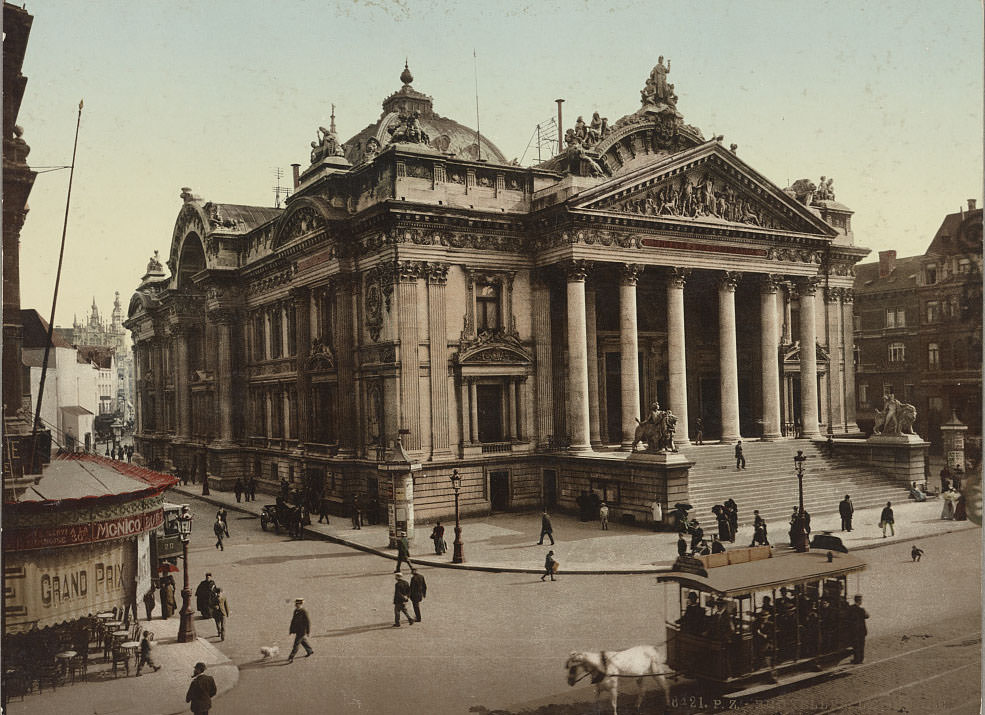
x,y
403,550
401,592
418,592
546,529
300,628
856,618
846,509
201,690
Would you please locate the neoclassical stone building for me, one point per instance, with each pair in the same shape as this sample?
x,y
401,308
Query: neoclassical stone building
x,y
516,321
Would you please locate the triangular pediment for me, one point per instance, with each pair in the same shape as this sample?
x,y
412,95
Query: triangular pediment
x,y
791,354
704,186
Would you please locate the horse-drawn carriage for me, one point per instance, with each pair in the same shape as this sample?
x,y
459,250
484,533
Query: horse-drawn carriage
x,y
284,515
744,615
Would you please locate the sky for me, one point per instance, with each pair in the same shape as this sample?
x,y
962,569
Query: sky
x,y
885,97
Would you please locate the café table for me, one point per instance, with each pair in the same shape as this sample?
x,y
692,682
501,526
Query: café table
x,y
131,648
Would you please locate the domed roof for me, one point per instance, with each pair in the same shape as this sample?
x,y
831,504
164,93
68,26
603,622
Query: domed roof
x,y
446,135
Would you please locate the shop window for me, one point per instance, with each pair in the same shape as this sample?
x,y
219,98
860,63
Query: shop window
x,y
897,352
933,356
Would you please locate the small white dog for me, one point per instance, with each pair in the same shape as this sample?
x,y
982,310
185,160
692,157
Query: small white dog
x,y
269,651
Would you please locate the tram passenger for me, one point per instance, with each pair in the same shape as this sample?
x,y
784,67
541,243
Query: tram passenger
x,y
786,626
693,620
809,631
763,637
722,630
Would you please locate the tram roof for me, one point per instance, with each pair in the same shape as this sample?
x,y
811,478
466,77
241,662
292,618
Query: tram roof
x,y
752,576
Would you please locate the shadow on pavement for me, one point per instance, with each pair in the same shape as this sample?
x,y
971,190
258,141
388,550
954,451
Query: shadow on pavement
x,y
261,560
354,630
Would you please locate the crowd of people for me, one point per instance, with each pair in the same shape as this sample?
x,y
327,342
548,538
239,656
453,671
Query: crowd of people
x,y
804,621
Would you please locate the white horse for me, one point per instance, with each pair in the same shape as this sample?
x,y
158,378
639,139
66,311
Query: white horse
x,y
607,667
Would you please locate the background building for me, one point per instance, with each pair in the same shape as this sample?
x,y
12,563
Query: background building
x,y
506,317
918,329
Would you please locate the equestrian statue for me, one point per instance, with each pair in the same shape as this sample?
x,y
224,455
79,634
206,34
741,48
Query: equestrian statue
x,y
657,430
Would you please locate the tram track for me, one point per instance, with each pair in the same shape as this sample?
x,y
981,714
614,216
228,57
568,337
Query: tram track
x,y
929,678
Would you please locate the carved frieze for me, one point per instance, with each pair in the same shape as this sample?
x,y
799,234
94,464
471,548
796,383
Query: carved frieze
x,y
792,254
453,239
272,280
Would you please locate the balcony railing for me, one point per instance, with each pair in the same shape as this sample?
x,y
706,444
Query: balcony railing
x,y
497,447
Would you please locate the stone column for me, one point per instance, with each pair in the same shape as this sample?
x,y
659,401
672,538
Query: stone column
x,y
542,358
466,412
594,426
408,273
676,352
343,340
302,333
224,320
182,383
474,411
728,360
437,274
848,328
629,351
577,273
159,345
835,391
808,359
521,405
769,349
787,316
510,410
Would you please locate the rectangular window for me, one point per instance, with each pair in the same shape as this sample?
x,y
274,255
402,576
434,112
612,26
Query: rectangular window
x,y
895,317
933,311
933,356
964,265
897,352
935,404
276,332
292,330
276,413
487,307
258,336
863,395
930,272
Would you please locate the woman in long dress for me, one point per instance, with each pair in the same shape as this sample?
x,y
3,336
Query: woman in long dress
x,y
949,498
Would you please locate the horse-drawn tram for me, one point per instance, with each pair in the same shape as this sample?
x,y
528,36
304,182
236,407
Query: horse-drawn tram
x,y
745,615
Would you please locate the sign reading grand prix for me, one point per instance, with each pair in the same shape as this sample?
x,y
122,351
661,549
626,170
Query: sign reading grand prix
x,y
46,537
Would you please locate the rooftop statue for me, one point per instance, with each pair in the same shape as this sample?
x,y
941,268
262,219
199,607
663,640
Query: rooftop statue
x,y
657,90
154,265
408,129
825,190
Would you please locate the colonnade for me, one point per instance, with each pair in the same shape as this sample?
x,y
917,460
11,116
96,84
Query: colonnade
x,y
581,399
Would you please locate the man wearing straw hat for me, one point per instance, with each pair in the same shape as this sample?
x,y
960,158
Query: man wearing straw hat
x,y
300,628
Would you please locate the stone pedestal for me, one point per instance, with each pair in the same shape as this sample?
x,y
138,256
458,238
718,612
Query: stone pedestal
x,y
901,456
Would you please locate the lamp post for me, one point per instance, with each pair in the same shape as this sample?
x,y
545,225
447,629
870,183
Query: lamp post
x,y
458,556
186,629
799,528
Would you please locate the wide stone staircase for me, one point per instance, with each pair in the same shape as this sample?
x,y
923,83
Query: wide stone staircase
x,y
769,481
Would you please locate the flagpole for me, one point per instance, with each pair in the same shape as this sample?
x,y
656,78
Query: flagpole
x,y
54,302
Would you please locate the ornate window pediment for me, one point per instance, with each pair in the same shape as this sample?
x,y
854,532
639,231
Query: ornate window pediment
x,y
792,354
493,348
321,359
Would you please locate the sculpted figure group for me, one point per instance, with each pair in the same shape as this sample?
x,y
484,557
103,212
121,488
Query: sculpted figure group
x,y
895,418
326,144
409,129
657,430
657,90
702,199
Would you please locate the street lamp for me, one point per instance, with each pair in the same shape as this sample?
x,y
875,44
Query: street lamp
x,y
799,527
186,629
458,556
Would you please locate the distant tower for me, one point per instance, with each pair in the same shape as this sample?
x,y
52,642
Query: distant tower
x,y
94,314
117,314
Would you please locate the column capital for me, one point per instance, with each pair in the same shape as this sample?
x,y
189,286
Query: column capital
x,y
409,271
300,293
833,295
223,316
179,329
729,281
576,271
677,277
629,273
807,286
848,295
771,282
437,273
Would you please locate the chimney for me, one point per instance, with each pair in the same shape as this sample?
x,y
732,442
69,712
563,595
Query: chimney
x,y
971,204
887,263
560,130
297,175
